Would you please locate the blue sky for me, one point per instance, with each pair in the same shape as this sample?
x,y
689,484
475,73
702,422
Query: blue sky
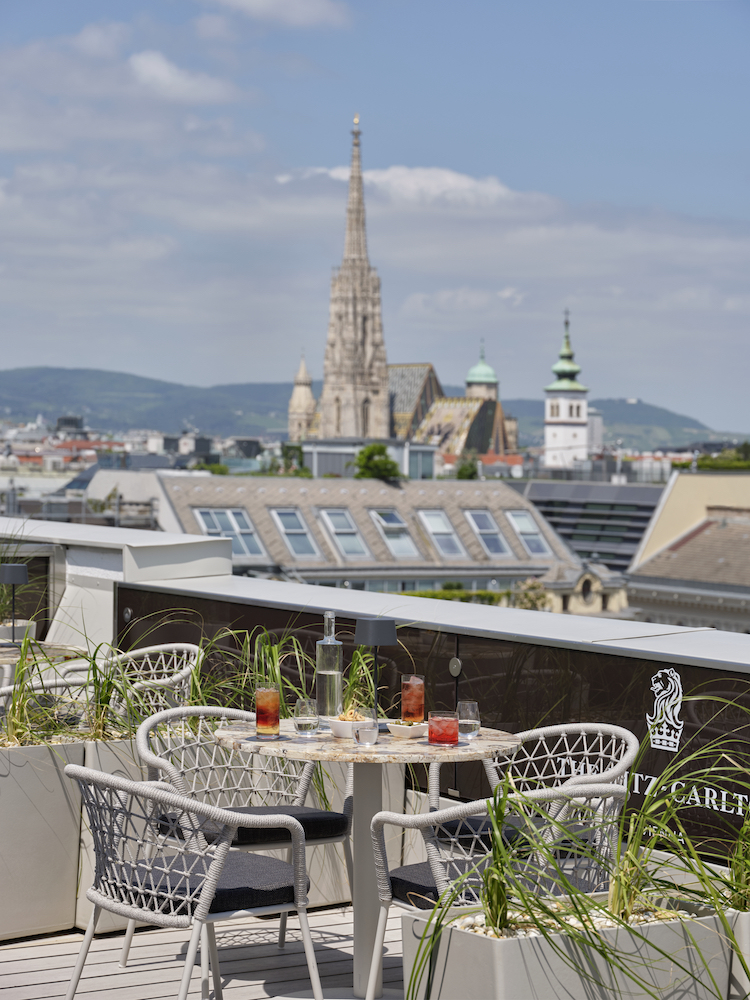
x,y
173,183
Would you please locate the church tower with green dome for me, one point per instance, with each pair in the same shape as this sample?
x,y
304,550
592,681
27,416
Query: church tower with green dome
x,y
566,431
481,380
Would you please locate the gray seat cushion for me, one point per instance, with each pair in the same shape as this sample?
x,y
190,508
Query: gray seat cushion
x,y
247,881
318,824
414,884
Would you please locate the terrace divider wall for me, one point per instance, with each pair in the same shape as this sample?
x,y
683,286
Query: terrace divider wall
x,y
518,685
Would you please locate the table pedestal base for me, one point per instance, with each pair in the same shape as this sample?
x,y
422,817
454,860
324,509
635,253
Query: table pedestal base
x,y
368,800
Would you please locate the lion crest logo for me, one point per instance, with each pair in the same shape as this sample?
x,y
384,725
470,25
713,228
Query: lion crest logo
x,y
665,727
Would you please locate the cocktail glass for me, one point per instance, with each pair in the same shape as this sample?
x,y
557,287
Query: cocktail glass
x,y
468,719
443,729
412,698
267,712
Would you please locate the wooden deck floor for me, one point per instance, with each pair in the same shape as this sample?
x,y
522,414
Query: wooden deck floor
x,y
251,964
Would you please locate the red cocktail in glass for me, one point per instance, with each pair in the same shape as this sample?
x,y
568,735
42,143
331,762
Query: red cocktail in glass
x,y
267,712
443,729
412,698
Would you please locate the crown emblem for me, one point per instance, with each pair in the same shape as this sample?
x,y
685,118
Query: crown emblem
x,y
664,725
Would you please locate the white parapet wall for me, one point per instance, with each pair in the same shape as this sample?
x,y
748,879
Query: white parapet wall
x,y
88,560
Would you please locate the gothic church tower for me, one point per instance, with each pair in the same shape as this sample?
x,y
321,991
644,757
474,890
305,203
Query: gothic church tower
x,y
354,401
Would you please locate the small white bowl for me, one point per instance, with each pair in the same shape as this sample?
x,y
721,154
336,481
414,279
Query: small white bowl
x,y
341,730
408,732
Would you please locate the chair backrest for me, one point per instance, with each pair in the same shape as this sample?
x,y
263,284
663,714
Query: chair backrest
x,y
179,745
551,833
574,753
153,862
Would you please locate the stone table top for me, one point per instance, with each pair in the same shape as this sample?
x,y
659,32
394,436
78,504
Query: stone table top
x,y
388,750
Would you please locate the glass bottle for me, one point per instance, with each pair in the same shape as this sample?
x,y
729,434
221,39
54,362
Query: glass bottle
x,y
329,677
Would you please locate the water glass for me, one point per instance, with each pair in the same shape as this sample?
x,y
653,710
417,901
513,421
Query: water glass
x,y
267,711
365,733
306,720
443,729
468,719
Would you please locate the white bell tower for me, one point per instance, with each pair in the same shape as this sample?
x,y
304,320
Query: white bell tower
x,y
565,411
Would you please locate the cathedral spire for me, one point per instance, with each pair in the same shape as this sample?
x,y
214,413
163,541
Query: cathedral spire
x,y
355,243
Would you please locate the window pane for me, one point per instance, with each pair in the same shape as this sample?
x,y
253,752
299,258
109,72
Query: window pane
x,y
242,522
447,545
224,523
350,545
208,519
290,521
339,520
482,520
238,549
524,522
494,544
389,517
535,544
300,544
436,521
251,544
400,544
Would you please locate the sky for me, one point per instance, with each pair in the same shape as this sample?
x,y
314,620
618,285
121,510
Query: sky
x,y
173,188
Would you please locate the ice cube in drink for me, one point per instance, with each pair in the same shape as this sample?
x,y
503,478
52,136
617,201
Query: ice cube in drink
x,y
412,698
443,728
267,713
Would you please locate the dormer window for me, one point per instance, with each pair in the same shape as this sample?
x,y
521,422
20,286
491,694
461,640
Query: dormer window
x,y
296,534
345,533
442,533
221,522
487,532
395,533
529,533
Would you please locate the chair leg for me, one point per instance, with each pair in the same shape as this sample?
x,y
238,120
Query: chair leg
x,y
75,978
204,962
213,953
285,914
282,929
192,952
312,964
127,941
349,865
377,953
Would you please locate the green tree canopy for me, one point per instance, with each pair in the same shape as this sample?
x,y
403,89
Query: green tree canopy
x,y
373,462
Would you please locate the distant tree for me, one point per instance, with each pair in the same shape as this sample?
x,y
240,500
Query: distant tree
x,y
744,451
530,595
373,462
467,467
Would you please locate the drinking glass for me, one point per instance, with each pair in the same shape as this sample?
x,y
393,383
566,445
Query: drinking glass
x,y
267,712
365,734
306,720
468,719
412,698
443,729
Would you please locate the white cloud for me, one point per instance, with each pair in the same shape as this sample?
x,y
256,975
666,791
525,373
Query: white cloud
x,y
293,13
156,74
102,41
213,27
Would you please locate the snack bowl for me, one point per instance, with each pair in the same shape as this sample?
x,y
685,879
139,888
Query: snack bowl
x,y
408,732
341,730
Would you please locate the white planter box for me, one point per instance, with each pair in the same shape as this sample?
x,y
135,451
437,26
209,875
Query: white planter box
x,y
40,823
474,967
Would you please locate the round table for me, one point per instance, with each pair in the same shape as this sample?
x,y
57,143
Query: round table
x,y
368,800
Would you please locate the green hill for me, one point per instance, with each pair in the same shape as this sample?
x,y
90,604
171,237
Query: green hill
x,y
113,401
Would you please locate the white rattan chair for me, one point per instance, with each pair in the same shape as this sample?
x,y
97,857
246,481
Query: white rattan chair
x,y
554,756
570,830
144,680
165,859
179,746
